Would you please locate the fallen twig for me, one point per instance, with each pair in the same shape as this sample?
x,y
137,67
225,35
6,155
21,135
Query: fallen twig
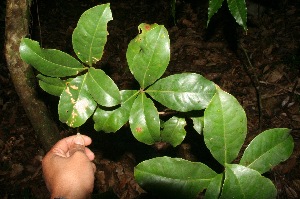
x,y
254,80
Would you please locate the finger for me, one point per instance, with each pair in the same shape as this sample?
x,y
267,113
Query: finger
x,y
89,154
77,144
87,140
57,151
76,147
62,147
94,167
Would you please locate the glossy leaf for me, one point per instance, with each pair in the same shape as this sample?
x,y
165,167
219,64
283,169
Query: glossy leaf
x,y
198,124
144,120
268,149
148,55
90,35
173,131
49,62
213,7
103,89
214,188
75,104
183,92
238,10
231,185
244,183
173,177
225,127
112,120
51,85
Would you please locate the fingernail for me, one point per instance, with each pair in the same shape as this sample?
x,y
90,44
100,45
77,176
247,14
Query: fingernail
x,y
78,139
77,144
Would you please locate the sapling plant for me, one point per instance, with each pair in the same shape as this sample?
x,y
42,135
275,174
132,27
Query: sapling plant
x,y
86,91
237,9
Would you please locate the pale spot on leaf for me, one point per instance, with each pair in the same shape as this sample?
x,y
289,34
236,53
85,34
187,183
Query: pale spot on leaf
x,y
73,101
81,106
74,87
68,91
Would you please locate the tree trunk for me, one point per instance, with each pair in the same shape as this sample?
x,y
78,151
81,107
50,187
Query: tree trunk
x,y
16,27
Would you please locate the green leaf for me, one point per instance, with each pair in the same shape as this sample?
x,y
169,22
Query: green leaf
x,y
173,177
268,149
214,188
112,120
148,55
198,124
238,10
49,62
174,132
102,88
214,6
51,85
90,35
144,120
225,127
183,92
76,105
244,183
231,185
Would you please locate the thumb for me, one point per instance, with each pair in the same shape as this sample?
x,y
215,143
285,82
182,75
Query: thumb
x,y
77,145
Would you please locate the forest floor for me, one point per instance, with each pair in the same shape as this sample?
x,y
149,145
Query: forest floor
x,y
260,67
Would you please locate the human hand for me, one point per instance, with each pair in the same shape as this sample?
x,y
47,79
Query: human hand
x,y
68,170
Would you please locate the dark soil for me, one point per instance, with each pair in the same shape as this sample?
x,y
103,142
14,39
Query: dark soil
x,y
259,67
